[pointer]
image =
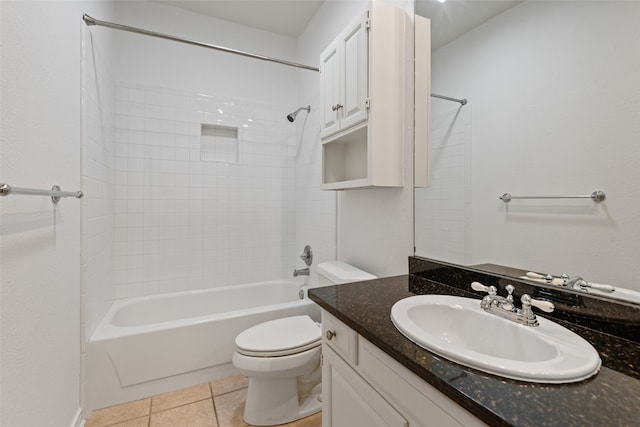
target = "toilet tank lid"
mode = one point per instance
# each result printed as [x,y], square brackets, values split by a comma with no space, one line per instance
[340,272]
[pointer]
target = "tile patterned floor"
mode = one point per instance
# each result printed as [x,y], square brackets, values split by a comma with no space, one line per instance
[216,404]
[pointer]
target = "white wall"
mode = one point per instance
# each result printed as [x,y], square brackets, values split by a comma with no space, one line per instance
[374,227]
[572,127]
[168,64]
[40,244]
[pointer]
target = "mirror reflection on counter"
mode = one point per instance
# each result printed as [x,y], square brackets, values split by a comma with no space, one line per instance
[553,90]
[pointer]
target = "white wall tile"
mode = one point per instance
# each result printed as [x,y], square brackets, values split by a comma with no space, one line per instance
[190,223]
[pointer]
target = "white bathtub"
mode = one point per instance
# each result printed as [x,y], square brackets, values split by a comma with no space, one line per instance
[150,345]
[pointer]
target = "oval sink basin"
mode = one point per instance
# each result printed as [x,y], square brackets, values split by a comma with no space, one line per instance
[459,330]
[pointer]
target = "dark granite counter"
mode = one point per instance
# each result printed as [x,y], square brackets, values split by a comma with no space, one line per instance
[610,398]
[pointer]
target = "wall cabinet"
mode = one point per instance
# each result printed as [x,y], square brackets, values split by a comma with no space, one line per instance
[362,74]
[363,386]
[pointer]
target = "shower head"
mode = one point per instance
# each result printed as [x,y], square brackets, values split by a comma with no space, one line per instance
[291,117]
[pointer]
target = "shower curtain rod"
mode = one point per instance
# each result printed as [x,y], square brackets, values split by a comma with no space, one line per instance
[92,21]
[461,101]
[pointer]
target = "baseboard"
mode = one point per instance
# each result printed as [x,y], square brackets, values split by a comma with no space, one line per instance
[78,421]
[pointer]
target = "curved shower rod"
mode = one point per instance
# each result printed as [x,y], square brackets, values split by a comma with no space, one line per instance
[92,21]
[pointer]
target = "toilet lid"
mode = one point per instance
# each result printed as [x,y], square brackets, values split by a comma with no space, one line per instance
[279,337]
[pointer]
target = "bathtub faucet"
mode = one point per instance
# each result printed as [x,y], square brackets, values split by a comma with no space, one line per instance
[301,272]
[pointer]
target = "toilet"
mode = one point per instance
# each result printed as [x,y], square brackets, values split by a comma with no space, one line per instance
[281,359]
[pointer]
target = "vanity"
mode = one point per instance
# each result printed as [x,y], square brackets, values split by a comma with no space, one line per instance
[374,376]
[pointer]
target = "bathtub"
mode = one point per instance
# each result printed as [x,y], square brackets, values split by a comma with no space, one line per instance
[150,345]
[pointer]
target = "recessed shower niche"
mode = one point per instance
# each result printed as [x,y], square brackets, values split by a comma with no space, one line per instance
[218,143]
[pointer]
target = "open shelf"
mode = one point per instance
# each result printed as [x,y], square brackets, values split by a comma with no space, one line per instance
[345,160]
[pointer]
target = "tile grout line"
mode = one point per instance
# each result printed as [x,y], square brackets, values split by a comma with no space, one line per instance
[148,415]
[127,420]
[213,402]
[150,411]
[180,406]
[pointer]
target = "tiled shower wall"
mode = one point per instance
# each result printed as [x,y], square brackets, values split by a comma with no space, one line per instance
[156,216]
[315,210]
[182,222]
[442,227]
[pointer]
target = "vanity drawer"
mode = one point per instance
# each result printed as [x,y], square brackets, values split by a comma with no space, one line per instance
[342,339]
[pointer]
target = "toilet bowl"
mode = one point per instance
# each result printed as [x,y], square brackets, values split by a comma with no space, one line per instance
[281,359]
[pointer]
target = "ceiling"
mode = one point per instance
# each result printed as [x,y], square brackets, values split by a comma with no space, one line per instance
[285,17]
[453,18]
[290,17]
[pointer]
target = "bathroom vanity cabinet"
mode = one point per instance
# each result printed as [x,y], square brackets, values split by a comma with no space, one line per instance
[364,386]
[362,102]
[371,370]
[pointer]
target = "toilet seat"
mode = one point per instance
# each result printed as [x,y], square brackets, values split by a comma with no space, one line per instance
[279,337]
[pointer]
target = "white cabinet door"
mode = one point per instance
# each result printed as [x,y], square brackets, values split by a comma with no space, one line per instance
[344,79]
[348,401]
[354,80]
[330,89]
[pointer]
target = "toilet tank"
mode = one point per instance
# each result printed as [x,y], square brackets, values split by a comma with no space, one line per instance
[338,272]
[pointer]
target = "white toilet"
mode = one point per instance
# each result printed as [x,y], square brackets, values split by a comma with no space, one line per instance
[281,358]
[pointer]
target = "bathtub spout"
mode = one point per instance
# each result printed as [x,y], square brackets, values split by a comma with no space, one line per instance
[301,272]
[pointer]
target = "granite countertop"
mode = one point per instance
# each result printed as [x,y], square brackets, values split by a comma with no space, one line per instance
[610,398]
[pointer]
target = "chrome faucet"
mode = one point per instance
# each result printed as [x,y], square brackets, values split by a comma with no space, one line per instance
[301,272]
[573,281]
[566,281]
[307,257]
[504,307]
[577,282]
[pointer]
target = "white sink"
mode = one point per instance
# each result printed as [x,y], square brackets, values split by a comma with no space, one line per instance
[459,330]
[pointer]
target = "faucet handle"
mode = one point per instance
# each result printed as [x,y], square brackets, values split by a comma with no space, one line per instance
[307,255]
[477,286]
[545,306]
[510,290]
[546,278]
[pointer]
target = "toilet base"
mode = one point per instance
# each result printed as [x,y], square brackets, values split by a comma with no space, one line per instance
[263,407]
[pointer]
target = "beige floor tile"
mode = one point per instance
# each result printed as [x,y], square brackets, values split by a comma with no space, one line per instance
[119,413]
[138,422]
[228,384]
[173,399]
[198,414]
[314,420]
[229,408]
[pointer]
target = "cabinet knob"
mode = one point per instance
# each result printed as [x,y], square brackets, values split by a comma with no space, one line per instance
[336,107]
[330,334]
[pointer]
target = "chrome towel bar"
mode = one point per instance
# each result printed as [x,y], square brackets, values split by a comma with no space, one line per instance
[55,192]
[596,196]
